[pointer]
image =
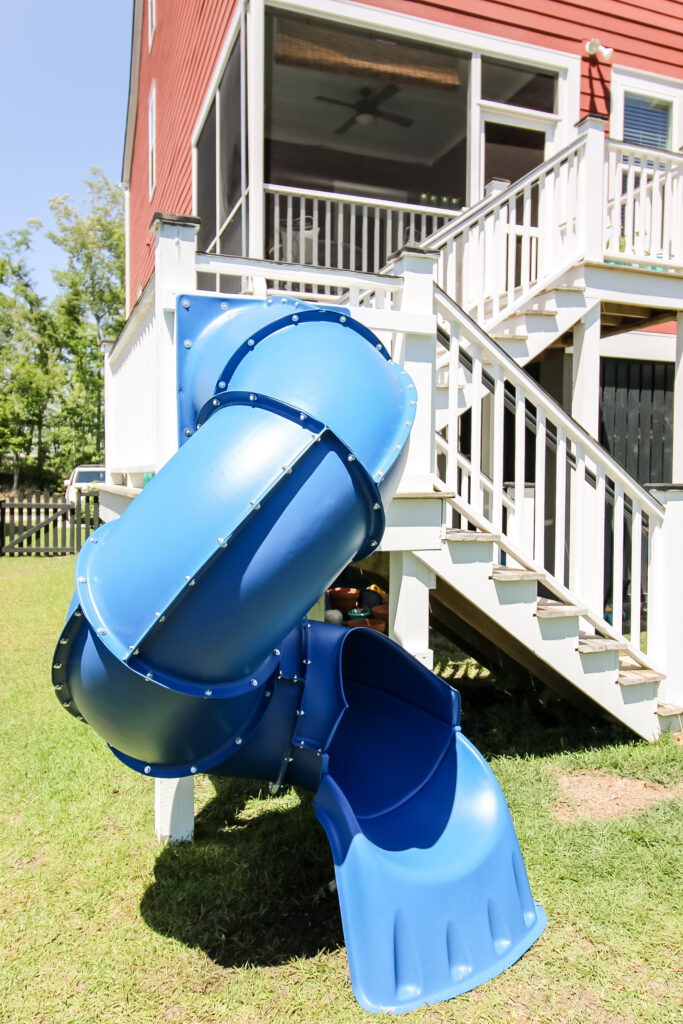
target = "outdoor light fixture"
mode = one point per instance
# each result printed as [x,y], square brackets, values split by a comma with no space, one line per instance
[595,48]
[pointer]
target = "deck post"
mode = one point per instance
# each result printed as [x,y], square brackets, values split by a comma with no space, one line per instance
[593,200]
[418,355]
[174,273]
[409,584]
[664,618]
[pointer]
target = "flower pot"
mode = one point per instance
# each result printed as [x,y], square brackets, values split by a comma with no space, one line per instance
[379,624]
[381,611]
[343,598]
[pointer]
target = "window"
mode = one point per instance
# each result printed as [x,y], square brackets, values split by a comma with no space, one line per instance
[151,140]
[517,86]
[151,21]
[219,166]
[647,121]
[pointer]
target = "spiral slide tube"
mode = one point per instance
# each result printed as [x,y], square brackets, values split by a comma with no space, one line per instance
[187,648]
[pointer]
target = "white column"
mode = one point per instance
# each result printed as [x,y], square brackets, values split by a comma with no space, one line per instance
[677,468]
[409,584]
[174,273]
[664,597]
[255,113]
[586,371]
[174,809]
[418,356]
[593,207]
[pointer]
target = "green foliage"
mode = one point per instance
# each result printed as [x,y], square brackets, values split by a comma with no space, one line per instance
[51,389]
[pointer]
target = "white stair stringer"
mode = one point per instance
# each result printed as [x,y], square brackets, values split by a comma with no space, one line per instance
[507,609]
[548,316]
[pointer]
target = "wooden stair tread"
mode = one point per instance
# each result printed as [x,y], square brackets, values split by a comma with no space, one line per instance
[472,536]
[548,609]
[634,675]
[665,710]
[510,574]
[594,644]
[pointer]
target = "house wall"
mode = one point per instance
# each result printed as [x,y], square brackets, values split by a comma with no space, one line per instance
[189,37]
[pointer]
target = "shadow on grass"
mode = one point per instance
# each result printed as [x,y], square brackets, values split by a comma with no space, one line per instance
[253,887]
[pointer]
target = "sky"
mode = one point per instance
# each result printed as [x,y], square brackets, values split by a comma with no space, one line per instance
[64,67]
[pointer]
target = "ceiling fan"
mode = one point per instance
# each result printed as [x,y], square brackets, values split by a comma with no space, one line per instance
[366,108]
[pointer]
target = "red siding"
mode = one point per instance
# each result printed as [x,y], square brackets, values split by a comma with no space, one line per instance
[189,36]
[188,39]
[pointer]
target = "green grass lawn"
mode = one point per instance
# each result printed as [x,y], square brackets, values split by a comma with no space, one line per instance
[98,923]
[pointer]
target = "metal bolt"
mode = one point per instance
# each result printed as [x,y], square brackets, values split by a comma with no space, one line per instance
[252,398]
[66,704]
[57,665]
[207,693]
[276,653]
[93,540]
[136,651]
[350,458]
[342,319]
[187,343]
[397,447]
[78,613]
[250,343]
[193,769]
[188,432]
[238,740]
[378,347]
[81,579]
[413,403]
[162,618]
[215,402]
[254,682]
[283,301]
[376,506]
[319,750]
[148,770]
[63,641]
[301,743]
[221,383]
[149,676]
[130,647]
[302,416]
[267,693]
[157,614]
[221,540]
[186,303]
[192,583]
[407,423]
[58,686]
[295,319]
[80,718]
[102,631]
[373,543]
[308,661]
[224,305]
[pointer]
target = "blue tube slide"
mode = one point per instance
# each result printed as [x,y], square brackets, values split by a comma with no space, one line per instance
[187,646]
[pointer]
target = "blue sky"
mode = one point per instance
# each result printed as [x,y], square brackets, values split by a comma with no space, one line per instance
[64,84]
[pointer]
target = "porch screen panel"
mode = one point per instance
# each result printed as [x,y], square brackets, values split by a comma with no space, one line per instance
[358,113]
[206,182]
[230,137]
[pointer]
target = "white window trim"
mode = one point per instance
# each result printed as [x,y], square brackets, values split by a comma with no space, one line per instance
[152,138]
[656,87]
[151,22]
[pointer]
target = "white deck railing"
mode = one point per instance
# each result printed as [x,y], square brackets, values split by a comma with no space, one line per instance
[333,230]
[643,205]
[530,473]
[511,243]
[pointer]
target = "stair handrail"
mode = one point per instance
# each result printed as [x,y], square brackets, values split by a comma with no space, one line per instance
[440,238]
[540,397]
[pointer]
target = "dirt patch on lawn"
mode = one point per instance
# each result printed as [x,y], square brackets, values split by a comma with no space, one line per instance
[596,795]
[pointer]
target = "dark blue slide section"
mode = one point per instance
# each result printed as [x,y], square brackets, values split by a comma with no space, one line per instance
[187,646]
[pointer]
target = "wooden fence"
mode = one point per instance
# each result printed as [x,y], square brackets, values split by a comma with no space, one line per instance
[46,524]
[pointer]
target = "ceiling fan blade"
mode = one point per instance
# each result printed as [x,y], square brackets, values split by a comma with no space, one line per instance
[405,122]
[338,103]
[345,127]
[385,94]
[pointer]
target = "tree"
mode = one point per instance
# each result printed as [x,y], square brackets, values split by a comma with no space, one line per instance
[30,373]
[91,306]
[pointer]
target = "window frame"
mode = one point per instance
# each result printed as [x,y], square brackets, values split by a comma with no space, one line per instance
[652,87]
[152,138]
[151,22]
